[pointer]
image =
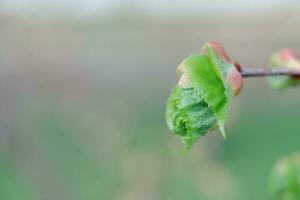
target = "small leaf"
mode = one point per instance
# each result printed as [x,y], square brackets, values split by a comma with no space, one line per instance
[225,69]
[209,84]
[285,179]
[200,101]
[188,115]
[284,58]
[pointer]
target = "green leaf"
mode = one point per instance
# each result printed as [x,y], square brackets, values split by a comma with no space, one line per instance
[188,115]
[195,108]
[209,83]
[285,179]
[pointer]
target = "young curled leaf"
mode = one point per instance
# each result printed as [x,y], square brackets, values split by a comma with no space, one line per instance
[188,115]
[284,58]
[285,179]
[200,101]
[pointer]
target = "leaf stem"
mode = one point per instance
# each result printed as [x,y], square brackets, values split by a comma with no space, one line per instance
[278,71]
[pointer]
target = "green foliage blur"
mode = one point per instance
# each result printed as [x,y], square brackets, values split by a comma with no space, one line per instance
[285,178]
[82,108]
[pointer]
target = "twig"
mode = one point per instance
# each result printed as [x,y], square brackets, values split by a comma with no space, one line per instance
[278,71]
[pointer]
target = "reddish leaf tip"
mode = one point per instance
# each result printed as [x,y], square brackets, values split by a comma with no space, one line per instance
[235,80]
[219,49]
[287,54]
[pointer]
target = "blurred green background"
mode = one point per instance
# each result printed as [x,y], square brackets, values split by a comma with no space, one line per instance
[83,88]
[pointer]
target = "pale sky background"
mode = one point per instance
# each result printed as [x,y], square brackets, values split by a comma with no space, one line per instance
[107,7]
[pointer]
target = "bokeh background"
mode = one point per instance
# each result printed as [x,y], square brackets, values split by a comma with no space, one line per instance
[83,88]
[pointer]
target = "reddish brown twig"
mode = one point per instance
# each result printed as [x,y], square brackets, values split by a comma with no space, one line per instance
[278,71]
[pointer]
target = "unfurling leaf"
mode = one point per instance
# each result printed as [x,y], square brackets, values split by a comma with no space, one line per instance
[200,101]
[284,58]
[285,179]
